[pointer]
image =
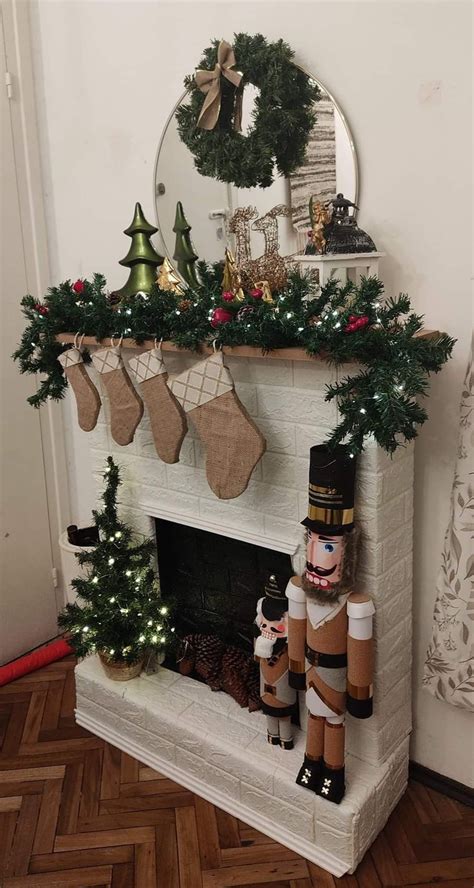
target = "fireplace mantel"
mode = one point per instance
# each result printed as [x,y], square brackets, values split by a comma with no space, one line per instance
[238,351]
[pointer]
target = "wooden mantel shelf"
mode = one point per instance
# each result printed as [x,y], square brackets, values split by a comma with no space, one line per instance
[238,351]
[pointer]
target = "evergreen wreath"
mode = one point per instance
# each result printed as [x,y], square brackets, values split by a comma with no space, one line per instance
[282,119]
[344,323]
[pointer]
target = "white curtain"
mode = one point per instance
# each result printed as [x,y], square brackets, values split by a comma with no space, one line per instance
[449,664]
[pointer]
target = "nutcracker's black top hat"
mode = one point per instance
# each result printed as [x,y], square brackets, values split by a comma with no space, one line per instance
[275,587]
[331,490]
[275,602]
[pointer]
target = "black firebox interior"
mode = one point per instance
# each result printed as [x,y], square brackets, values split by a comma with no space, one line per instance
[215,581]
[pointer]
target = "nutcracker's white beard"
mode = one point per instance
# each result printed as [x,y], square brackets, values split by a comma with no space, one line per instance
[264,646]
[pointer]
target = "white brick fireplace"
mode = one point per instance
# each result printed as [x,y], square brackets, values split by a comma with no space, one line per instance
[203,739]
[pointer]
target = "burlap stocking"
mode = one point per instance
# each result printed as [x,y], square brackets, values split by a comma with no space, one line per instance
[167,417]
[126,408]
[87,397]
[232,441]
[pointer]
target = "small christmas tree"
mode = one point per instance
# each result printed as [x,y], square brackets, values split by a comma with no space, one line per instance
[121,615]
[168,279]
[184,250]
[142,258]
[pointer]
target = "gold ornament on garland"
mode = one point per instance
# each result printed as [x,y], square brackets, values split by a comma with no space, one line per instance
[231,280]
[267,293]
[168,279]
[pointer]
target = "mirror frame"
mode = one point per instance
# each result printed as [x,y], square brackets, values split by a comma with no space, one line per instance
[173,112]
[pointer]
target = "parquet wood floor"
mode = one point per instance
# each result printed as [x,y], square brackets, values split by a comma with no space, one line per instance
[76,812]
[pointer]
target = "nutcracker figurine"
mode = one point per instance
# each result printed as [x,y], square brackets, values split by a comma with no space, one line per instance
[330,627]
[271,649]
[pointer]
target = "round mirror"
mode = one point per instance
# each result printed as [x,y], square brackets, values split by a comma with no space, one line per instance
[330,167]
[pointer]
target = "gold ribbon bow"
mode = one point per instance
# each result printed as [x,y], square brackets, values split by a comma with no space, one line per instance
[267,293]
[209,82]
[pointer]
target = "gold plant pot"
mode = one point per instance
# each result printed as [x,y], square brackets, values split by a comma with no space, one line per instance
[120,671]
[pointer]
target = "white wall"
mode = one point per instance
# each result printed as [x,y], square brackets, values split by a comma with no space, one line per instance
[108,74]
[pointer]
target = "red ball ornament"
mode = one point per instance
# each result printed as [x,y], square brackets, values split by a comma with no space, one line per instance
[256,293]
[78,286]
[220,316]
[41,309]
[228,296]
[356,323]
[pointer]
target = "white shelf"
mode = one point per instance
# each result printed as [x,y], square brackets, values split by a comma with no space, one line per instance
[335,258]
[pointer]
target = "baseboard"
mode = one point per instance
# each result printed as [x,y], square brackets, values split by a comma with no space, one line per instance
[448,787]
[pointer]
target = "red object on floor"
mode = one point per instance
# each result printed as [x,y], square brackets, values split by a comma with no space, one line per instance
[31,662]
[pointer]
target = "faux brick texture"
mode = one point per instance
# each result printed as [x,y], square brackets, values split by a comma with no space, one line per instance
[204,736]
[286,400]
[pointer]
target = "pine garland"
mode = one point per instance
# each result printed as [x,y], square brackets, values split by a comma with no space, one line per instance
[120,612]
[380,399]
[282,120]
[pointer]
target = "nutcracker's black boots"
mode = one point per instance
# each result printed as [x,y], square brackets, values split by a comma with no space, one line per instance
[331,784]
[309,775]
[273,739]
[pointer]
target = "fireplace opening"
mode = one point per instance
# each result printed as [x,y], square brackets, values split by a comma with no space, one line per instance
[215,581]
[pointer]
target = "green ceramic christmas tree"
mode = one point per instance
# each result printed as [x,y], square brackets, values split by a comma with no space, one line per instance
[142,258]
[184,253]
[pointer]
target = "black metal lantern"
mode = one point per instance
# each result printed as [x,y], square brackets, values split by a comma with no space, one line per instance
[342,234]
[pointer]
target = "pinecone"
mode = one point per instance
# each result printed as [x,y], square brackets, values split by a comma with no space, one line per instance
[233,675]
[113,298]
[223,668]
[205,654]
[236,676]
